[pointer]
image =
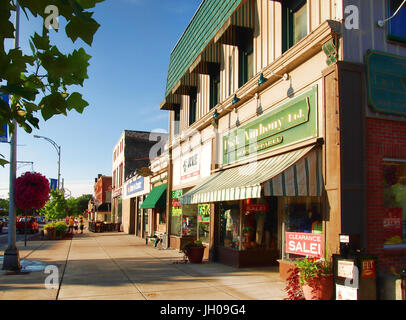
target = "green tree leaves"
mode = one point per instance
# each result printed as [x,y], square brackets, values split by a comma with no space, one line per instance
[41,81]
[56,206]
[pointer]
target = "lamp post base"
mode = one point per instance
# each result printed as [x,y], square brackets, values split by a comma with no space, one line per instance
[11,259]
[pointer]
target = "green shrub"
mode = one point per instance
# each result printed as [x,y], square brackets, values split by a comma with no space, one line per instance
[60,228]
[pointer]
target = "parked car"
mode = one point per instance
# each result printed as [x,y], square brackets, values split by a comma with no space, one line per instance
[31,226]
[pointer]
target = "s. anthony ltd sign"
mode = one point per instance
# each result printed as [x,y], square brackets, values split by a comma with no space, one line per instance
[190,166]
[289,123]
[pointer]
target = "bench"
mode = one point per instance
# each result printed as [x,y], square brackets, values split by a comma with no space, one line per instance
[157,238]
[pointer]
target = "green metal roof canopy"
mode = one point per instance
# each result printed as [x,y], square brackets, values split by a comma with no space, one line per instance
[156,198]
[207,21]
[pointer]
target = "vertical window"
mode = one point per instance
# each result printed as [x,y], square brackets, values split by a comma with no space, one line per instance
[394,198]
[192,106]
[245,60]
[397,25]
[176,126]
[294,22]
[214,88]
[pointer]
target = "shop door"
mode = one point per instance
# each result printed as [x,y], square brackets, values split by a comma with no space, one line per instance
[139,217]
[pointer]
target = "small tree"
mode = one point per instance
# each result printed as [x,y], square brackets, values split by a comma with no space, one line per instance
[56,206]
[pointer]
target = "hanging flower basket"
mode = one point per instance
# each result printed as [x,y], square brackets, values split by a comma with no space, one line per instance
[31,191]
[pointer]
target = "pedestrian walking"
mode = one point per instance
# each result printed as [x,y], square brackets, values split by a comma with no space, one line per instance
[76,225]
[71,224]
[81,224]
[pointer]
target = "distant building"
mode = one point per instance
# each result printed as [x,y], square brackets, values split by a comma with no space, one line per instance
[102,198]
[131,156]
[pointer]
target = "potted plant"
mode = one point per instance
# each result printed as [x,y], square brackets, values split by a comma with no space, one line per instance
[315,278]
[194,251]
[50,231]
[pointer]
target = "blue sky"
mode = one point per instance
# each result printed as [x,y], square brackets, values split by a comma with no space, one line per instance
[127,79]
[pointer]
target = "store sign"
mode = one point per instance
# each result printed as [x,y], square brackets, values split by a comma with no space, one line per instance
[284,125]
[386,82]
[304,244]
[204,213]
[346,293]
[190,166]
[392,226]
[257,207]
[368,269]
[135,186]
[345,269]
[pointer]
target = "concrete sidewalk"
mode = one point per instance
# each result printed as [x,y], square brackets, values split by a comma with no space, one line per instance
[116,266]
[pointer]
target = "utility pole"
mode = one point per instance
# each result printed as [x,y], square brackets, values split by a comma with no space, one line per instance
[11,254]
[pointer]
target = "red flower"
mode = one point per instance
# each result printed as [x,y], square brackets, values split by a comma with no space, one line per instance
[31,191]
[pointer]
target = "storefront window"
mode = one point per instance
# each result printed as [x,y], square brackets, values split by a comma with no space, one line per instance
[176,214]
[394,222]
[203,230]
[189,220]
[230,236]
[303,215]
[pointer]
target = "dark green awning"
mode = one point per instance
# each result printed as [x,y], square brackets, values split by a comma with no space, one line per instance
[156,198]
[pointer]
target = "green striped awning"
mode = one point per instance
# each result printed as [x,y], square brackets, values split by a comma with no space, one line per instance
[296,173]
[156,198]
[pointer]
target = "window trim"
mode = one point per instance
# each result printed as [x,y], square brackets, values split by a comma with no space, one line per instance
[192,106]
[288,9]
[245,50]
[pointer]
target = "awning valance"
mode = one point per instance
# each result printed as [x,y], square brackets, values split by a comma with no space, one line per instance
[293,173]
[156,198]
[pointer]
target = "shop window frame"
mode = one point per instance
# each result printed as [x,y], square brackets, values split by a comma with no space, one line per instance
[391,246]
[192,106]
[245,59]
[289,8]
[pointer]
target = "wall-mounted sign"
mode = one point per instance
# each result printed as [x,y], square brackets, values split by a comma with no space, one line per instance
[117,192]
[386,82]
[190,166]
[368,269]
[292,122]
[304,244]
[135,186]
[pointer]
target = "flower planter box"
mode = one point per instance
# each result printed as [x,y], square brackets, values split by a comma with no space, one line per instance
[319,289]
[50,234]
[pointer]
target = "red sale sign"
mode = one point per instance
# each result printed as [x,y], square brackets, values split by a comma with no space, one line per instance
[304,244]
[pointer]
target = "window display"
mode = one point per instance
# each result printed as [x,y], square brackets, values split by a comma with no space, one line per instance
[302,215]
[203,230]
[394,222]
[189,220]
[230,225]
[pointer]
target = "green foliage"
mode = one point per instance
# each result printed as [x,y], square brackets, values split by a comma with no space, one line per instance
[56,206]
[60,228]
[4,206]
[311,268]
[191,244]
[40,82]
[78,205]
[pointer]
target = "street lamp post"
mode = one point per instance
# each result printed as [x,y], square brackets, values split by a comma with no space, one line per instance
[11,254]
[58,150]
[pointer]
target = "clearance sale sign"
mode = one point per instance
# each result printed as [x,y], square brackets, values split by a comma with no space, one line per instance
[304,244]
